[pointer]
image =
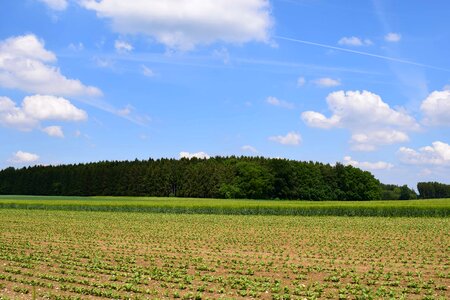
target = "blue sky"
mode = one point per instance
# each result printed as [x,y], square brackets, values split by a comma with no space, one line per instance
[365,83]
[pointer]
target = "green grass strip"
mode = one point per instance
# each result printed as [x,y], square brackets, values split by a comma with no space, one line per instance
[416,208]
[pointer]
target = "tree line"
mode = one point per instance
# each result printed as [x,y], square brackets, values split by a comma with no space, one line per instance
[218,177]
[396,192]
[429,190]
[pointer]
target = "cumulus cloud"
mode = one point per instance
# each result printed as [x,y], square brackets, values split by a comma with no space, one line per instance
[21,157]
[26,65]
[41,107]
[436,108]
[55,131]
[437,154]
[326,82]
[292,138]
[183,24]
[277,102]
[37,108]
[122,46]
[354,41]
[367,141]
[392,37]
[315,119]
[371,120]
[248,148]
[201,155]
[379,165]
[13,116]
[26,46]
[55,4]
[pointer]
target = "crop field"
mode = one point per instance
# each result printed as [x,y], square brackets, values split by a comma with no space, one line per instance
[411,208]
[51,254]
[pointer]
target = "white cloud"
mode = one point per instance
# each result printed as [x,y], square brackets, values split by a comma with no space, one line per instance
[42,107]
[201,155]
[301,81]
[21,157]
[13,116]
[436,108]
[122,46]
[277,102]
[55,4]
[368,42]
[183,24]
[248,148]
[37,108]
[25,46]
[379,165]
[315,119]
[368,141]
[55,131]
[392,37]
[292,138]
[327,82]
[356,108]
[437,154]
[371,120]
[350,41]
[146,71]
[354,41]
[25,65]
[125,111]
[446,87]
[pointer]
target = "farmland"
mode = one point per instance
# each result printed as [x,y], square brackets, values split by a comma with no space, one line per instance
[411,208]
[82,254]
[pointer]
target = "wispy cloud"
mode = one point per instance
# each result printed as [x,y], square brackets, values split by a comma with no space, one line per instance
[146,71]
[393,37]
[413,81]
[280,103]
[301,81]
[199,61]
[394,59]
[354,41]
[248,148]
[327,82]
[59,5]
[122,46]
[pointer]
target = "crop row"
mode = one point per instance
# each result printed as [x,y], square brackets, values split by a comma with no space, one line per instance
[81,255]
[424,208]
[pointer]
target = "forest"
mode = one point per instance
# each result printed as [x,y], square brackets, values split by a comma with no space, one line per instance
[431,190]
[217,177]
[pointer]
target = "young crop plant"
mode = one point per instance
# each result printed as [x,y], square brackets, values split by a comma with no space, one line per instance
[131,255]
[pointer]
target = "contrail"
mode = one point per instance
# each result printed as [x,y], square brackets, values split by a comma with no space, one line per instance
[362,53]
